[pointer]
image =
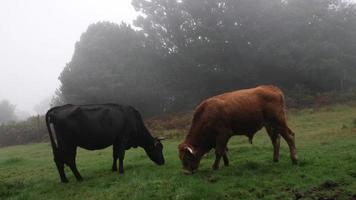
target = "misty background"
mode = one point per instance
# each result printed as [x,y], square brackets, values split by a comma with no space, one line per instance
[167,55]
[37,40]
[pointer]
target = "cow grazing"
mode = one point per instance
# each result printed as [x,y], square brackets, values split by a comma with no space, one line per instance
[241,112]
[95,127]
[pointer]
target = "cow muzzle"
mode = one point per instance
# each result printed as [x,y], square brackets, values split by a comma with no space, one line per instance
[160,163]
[188,172]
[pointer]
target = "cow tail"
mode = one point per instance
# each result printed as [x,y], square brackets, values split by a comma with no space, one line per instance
[284,103]
[53,143]
[284,107]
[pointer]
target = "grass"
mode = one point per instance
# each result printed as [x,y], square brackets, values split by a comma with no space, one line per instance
[326,142]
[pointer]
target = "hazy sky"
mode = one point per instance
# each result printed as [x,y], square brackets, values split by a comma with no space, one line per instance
[37,39]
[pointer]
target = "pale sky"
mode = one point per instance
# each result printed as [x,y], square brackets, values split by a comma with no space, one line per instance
[37,39]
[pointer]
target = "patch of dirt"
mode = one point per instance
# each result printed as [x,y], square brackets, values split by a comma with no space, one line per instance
[328,190]
[329,184]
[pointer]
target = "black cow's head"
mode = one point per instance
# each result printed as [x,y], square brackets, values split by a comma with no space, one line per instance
[154,151]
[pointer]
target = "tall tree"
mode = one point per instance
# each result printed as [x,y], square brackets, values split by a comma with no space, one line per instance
[238,43]
[113,63]
[183,51]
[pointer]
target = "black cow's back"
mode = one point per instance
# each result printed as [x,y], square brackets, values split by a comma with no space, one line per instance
[92,126]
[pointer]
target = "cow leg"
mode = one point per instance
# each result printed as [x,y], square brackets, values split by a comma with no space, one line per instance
[217,160]
[121,160]
[220,150]
[289,137]
[226,159]
[279,126]
[275,138]
[75,171]
[115,156]
[72,152]
[60,167]
[59,160]
[218,154]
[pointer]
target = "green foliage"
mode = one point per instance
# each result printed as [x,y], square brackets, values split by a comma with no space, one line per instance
[113,63]
[29,131]
[184,51]
[326,169]
[301,97]
[241,43]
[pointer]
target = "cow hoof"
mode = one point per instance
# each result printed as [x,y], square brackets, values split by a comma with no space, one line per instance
[64,180]
[188,172]
[215,167]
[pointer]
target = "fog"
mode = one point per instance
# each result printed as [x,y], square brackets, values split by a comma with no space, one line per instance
[178,53]
[37,39]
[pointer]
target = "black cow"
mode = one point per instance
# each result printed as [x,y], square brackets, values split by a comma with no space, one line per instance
[96,127]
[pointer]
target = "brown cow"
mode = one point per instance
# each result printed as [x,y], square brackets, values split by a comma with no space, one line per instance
[241,112]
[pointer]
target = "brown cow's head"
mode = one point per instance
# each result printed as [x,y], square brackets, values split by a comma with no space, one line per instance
[190,158]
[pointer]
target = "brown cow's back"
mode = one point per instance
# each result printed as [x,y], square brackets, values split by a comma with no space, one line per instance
[244,112]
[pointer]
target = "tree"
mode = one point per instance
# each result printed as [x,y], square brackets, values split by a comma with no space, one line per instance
[184,51]
[113,63]
[231,44]
[7,112]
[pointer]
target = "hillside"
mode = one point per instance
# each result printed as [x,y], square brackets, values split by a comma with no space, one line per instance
[326,144]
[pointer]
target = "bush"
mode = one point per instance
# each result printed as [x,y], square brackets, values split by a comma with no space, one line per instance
[29,131]
[301,97]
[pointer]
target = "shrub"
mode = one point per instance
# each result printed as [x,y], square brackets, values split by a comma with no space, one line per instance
[29,131]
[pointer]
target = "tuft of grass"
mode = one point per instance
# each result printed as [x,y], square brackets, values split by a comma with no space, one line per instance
[326,169]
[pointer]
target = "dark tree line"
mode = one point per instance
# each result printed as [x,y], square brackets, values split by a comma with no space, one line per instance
[183,51]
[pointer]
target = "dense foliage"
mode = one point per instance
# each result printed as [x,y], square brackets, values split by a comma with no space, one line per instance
[31,130]
[183,51]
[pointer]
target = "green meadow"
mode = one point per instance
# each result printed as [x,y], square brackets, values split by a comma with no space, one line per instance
[326,146]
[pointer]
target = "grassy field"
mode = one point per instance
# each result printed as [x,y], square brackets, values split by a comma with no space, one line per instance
[326,144]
